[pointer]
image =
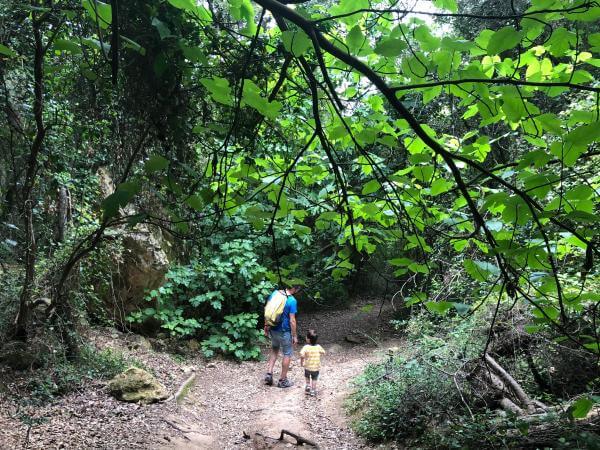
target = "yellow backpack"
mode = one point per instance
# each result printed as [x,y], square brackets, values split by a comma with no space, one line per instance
[274,308]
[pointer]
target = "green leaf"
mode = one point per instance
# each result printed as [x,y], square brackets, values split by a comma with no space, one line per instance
[551,123]
[516,211]
[4,50]
[401,261]
[219,89]
[443,59]
[301,230]
[426,39]
[390,47]
[431,93]
[581,408]
[446,4]
[162,28]
[439,308]
[439,186]
[594,346]
[349,6]
[296,42]
[512,104]
[96,44]
[118,199]
[131,44]
[251,96]
[539,185]
[423,173]
[156,163]
[370,187]
[194,54]
[67,46]
[581,192]
[568,153]
[355,39]
[187,5]
[503,39]
[560,41]
[243,9]
[196,202]
[101,13]
[480,270]
[584,135]
[594,41]
[461,308]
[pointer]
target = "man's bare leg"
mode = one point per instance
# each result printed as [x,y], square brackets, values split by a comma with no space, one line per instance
[285,365]
[272,360]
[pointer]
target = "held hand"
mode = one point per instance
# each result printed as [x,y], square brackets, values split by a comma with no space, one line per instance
[295,340]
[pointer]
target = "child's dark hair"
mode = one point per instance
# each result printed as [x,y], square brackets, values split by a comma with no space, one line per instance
[312,337]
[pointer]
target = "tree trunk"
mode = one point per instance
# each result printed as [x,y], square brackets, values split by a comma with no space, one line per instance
[63,213]
[22,319]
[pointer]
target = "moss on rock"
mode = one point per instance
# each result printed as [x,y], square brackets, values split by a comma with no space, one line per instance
[137,385]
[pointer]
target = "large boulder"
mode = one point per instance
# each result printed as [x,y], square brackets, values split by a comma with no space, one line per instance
[137,385]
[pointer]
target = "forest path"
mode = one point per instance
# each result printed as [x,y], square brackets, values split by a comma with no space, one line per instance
[227,399]
[230,399]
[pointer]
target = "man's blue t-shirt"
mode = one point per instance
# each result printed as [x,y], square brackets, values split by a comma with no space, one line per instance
[291,307]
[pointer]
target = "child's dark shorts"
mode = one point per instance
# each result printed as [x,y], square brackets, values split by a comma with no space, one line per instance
[312,374]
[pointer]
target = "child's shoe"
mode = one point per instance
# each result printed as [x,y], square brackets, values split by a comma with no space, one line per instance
[307,389]
[313,393]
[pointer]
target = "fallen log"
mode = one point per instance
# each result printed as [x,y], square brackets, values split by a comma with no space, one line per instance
[509,381]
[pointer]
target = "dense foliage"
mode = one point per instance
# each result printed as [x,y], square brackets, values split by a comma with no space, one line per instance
[209,298]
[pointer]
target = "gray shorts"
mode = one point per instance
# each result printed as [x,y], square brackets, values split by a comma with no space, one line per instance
[283,340]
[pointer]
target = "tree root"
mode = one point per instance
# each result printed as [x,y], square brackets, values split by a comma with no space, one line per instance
[299,439]
[183,390]
[261,437]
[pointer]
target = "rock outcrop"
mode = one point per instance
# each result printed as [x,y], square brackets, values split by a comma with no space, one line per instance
[140,266]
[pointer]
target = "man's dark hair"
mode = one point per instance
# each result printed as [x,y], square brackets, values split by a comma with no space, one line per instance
[312,337]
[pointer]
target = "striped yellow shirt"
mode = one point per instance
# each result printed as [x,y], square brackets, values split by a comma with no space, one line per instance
[312,356]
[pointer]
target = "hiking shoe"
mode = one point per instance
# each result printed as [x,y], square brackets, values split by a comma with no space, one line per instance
[269,379]
[313,393]
[284,383]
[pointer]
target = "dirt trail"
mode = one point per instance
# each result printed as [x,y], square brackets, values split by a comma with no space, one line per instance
[226,400]
[230,399]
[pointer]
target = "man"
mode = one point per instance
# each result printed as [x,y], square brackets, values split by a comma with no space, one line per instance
[283,336]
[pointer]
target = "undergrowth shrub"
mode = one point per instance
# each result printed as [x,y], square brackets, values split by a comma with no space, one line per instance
[217,298]
[407,394]
[419,397]
[60,376]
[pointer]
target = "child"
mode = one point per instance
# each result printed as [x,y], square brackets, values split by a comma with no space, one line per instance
[310,358]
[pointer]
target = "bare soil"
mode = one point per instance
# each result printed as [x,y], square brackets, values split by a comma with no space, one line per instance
[227,402]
